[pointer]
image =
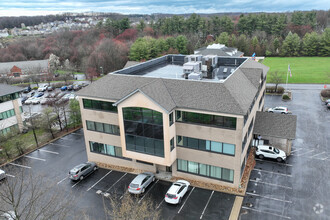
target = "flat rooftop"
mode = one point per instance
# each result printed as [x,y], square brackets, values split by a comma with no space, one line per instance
[171,67]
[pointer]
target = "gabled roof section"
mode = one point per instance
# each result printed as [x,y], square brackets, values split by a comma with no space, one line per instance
[241,89]
[157,91]
[253,74]
[249,63]
[15,69]
[8,89]
[275,125]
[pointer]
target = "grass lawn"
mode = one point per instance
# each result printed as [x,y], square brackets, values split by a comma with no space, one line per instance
[64,72]
[304,69]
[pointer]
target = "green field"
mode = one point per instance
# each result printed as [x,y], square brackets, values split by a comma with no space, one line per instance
[304,69]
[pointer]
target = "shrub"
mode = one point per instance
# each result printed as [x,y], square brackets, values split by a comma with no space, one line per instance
[325,93]
[35,88]
[285,96]
[271,89]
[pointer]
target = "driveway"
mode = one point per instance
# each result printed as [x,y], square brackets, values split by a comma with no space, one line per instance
[298,189]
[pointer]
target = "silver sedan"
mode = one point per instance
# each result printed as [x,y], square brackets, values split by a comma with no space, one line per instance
[82,170]
[141,182]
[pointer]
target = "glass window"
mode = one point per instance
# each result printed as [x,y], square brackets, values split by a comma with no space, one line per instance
[172,144]
[87,103]
[193,143]
[159,148]
[118,152]
[139,144]
[192,167]
[202,144]
[99,126]
[216,146]
[158,118]
[171,118]
[130,142]
[147,115]
[90,125]
[179,140]
[178,116]
[228,174]
[229,149]
[110,150]
[215,172]
[182,165]
[204,169]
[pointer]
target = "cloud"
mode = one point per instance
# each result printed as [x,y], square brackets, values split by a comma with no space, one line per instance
[42,7]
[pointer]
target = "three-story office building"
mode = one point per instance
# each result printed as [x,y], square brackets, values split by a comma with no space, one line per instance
[10,109]
[189,115]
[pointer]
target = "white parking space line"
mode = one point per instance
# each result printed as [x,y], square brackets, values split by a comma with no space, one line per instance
[271,184]
[36,158]
[296,150]
[116,182]
[61,145]
[278,163]
[160,204]
[318,154]
[99,180]
[76,183]
[265,171]
[325,158]
[304,153]
[269,213]
[62,180]
[48,151]
[10,175]
[122,196]
[186,200]
[19,165]
[206,205]
[267,197]
[147,192]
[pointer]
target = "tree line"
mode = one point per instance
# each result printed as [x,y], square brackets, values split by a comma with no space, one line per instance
[107,47]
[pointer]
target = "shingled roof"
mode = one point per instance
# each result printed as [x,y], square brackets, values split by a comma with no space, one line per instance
[275,125]
[233,96]
[8,89]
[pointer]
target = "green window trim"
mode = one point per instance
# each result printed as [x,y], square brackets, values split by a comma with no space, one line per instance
[102,127]
[206,145]
[206,119]
[205,170]
[106,149]
[99,105]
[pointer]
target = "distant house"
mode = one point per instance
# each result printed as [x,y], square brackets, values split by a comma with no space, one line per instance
[15,72]
[219,50]
[24,68]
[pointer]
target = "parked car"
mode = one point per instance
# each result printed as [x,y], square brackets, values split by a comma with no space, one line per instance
[29,101]
[82,170]
[50,88]
[282,110]
[84,84]
[39,94]
[10,215]
[141,182]
[24,98]
[64,88]
[36,100]
[2,174]
[42,88]
[70,87]
[76,87]
[270,152]
[32,93]
[327,101]
[27,89]
[328,105]
[176,192]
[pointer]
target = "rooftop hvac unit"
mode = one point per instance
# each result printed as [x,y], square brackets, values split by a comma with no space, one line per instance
[195,76]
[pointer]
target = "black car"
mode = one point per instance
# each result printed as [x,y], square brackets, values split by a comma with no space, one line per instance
[70,87]
[24,98]
[27,89]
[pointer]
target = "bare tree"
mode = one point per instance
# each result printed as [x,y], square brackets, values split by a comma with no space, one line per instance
[277,78]
[126,208]
[28,196]
[47,120]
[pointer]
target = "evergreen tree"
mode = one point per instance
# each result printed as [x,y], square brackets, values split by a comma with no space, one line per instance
[310,44]
[291,45]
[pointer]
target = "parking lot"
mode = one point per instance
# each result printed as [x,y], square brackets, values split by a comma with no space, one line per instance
[56,159]
[297,189]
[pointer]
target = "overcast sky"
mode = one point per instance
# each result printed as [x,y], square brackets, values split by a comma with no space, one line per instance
[43,7]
